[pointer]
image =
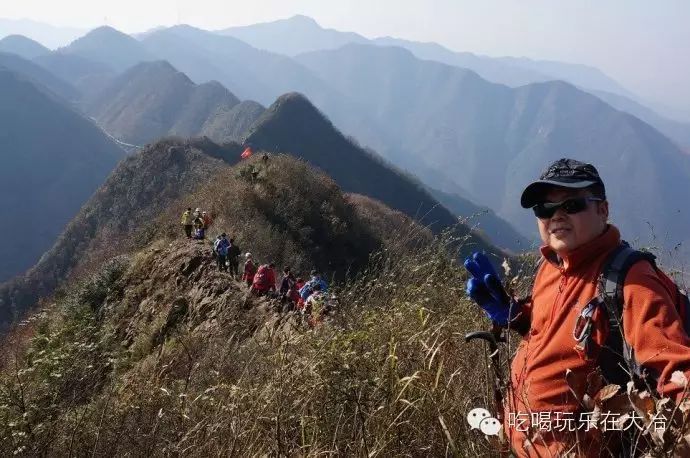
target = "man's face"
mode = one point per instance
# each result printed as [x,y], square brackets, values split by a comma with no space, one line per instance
[563,232]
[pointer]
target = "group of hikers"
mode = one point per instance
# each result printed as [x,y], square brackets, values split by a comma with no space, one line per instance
[196,223]
[309,298]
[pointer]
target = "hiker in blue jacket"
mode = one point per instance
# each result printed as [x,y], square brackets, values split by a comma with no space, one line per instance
[308,288]
[221,246]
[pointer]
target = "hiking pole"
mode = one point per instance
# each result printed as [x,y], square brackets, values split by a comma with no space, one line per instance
[492,337]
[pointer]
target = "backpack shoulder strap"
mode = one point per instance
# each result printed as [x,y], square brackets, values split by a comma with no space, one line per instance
[616,268]
[616,358]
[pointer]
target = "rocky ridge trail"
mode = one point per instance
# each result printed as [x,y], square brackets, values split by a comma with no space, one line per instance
[174,288]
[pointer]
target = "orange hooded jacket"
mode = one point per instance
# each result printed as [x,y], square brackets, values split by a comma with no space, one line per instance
[562,288]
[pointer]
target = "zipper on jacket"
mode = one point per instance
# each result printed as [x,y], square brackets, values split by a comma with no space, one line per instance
[557,301]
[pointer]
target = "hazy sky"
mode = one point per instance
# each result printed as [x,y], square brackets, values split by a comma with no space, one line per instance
[643,44]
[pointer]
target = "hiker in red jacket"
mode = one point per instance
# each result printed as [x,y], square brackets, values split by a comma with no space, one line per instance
[207,219]
[249,270]
[264,280]
[299,303]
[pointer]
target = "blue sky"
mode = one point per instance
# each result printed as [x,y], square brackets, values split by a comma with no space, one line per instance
[645,45]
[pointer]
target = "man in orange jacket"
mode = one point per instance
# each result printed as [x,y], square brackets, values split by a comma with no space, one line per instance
[550,371]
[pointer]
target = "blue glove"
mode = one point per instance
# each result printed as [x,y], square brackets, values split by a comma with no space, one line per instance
[486,290]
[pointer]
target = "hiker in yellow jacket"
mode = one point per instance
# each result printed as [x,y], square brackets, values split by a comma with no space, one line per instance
[187,222]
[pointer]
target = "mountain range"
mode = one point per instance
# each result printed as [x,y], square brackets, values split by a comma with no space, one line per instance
[85,75]
[109,47]
[210,57]
[452,116]
[53,159]
[153,100]
[293,125]
[49,35]
[39,76]
[491,140]
[301,34]
[123,214]
[444,133]
[141,93]
[22,46]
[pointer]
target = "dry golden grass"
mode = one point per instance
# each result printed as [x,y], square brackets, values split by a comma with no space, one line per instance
[388,375]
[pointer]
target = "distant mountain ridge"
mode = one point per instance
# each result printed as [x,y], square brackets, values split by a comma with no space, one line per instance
[301,34]
[292,36]
[485,221]
[39,75]
[232,125]
[204,54]
[583,76]
[373,114]
[110,47]
[53,159]
[294,125]
[153,100]
[246,71]
[46,34]
[677,131]
[86,76]
[492,140]
[22,46]
[417,126]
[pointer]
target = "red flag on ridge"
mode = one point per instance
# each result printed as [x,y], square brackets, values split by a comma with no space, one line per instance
[246,153]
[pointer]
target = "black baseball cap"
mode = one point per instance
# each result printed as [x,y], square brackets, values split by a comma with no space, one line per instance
[564,173]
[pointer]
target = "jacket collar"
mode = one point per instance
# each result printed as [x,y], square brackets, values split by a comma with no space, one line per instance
[585,254]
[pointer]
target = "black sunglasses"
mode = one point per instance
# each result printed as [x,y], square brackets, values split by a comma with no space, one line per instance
[571,206]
